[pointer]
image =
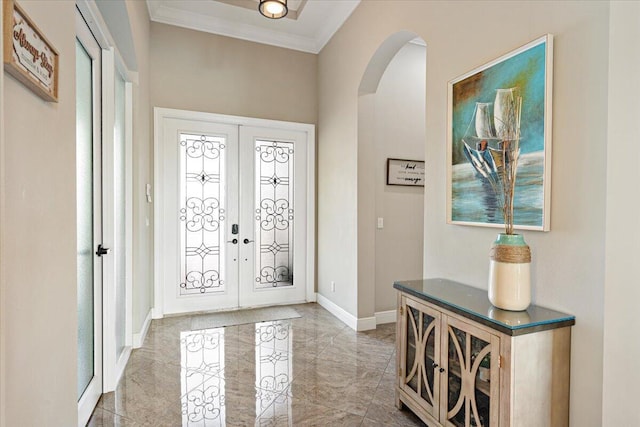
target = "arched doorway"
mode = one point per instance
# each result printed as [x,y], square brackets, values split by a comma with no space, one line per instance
[391,124]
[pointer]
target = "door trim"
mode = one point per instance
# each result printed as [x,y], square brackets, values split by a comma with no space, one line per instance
[89,398]
[159,115]
[112,63]
[114,365]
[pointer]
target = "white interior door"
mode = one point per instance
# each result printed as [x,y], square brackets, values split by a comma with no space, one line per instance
[232,218]
[200,209]
[273,177]
[89,219]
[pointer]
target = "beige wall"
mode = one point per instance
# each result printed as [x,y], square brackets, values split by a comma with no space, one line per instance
[568,266]
[399,125]
[142,169]
[192,70]
[622,293]
[38,265]
[2,281]
[38,228]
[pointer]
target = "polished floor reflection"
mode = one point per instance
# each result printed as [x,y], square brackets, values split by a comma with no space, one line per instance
[308,371]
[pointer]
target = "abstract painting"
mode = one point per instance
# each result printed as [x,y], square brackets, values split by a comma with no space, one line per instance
[476,147]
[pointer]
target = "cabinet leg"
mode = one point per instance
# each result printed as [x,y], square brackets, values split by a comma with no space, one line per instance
[399,403]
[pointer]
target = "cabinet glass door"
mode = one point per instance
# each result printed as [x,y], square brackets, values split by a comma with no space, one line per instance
[419,365]
[471,387]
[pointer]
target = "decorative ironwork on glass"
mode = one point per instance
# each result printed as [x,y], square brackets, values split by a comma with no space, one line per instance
[201,380]
[274,214]
[274,371]
[202,213]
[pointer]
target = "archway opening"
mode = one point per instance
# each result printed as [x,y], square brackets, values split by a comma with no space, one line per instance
[391,125]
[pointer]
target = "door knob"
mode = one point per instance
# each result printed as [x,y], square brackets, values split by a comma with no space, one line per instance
[246,241]
[102,250]
[234,241]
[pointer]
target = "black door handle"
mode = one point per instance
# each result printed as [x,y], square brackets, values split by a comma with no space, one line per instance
[102,250]
[234,241]
[246,241]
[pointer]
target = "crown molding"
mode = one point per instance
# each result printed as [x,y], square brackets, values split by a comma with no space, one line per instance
[186,19]
[334,22]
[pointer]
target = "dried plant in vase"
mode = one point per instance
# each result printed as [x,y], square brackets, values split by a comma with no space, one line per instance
[507,113]
[496,135]
[510,260]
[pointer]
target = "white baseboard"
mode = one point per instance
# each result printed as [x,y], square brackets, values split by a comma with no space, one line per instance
[383,317]
[363,324]
[121,365]
[366,324]
[346,317]
[138,339]
[156,314]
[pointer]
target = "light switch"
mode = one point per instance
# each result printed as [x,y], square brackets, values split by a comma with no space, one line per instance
[380,223]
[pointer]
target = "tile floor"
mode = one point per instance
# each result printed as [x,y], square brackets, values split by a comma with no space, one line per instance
[308,371]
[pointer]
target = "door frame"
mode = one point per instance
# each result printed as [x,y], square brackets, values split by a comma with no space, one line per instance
[113,62]
[90,396]
[159,115]
[113,365]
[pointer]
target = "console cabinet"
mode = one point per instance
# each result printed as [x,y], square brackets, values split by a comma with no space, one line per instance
[462,362]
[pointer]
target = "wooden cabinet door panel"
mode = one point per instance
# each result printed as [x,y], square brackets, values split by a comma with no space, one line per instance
[469,384]
[420,355]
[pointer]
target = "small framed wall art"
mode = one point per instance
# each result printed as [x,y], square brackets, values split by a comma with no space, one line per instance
[405,172]
[27,54]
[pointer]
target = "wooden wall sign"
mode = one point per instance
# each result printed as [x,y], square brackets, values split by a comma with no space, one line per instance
[27,54]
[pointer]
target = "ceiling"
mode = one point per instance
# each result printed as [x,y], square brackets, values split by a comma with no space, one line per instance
[309,25]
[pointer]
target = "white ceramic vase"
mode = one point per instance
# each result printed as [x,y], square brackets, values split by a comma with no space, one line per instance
[510,273]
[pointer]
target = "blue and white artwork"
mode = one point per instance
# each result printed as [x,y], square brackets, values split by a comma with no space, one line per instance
[474,146]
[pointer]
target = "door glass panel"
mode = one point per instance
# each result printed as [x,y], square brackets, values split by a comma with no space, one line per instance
[481,356]
[120,218]
[273,214]
[468,406]
[411,364]
[202,213]
[457,362]
[84,194]
[428,345]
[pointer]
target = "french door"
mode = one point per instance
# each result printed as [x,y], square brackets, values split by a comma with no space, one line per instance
[233,222]
[89,219]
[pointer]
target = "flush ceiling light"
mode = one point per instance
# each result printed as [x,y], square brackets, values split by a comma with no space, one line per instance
[273,9]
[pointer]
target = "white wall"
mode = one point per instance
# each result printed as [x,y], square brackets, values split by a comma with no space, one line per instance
[568,266]
[622,293]
[399,132]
